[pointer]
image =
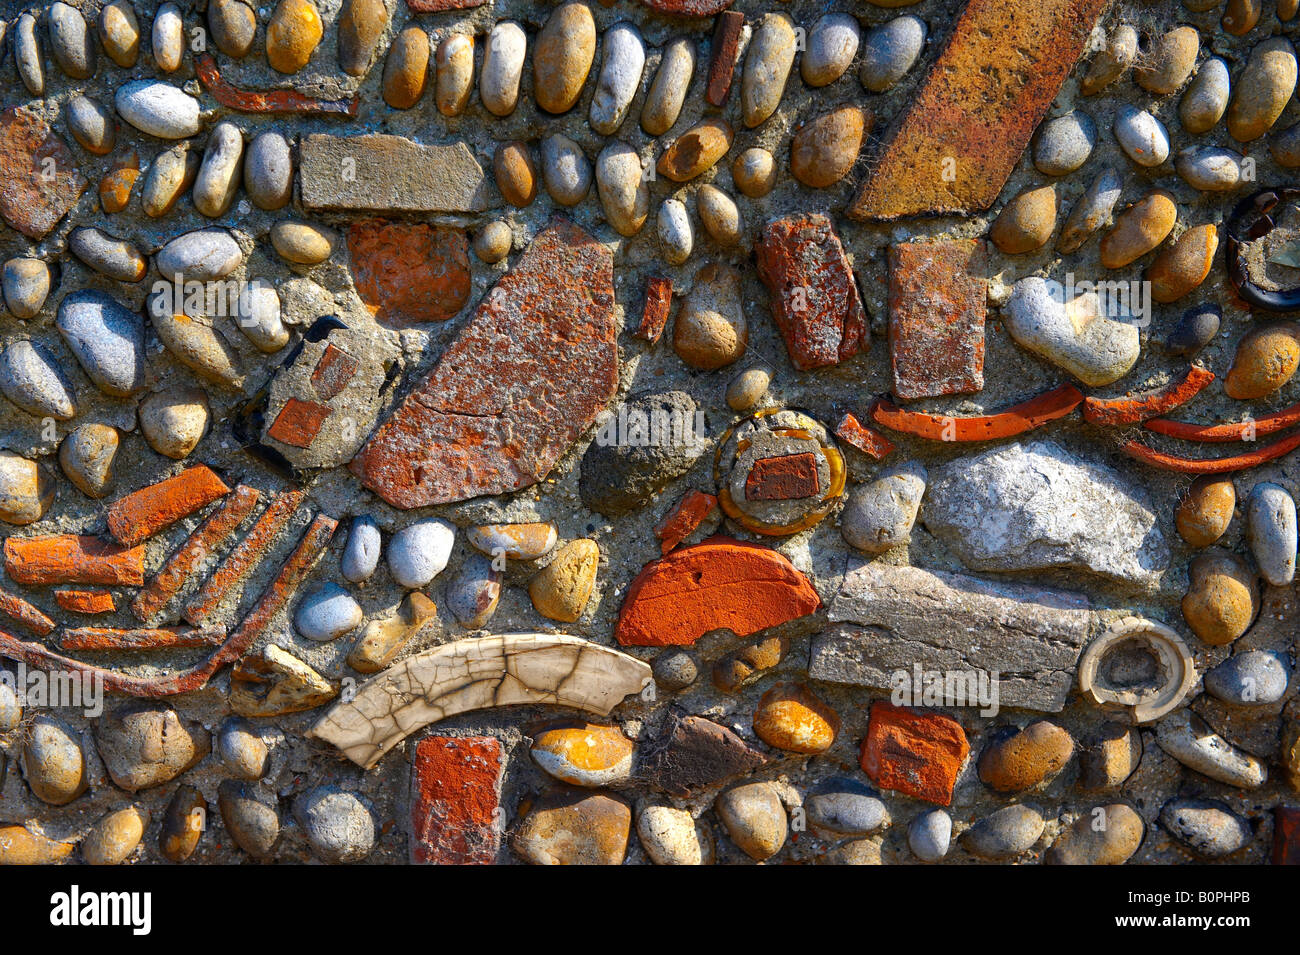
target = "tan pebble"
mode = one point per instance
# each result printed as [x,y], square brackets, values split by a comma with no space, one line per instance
[292,35]
[86,457]
[26,490]
[233,25]
[561,590]
[1266,359]
[748,388]
[584,754]
[383,639]
[1026,222]
[168,38]
[1111,61]
[1222,598]
[516,174]
[1139,229]
[183,824]
[53,762]
[493,242]
[513,541]
[1024,758]
[1184,265]
[455,69]
[719,214]
[172,173]
[302,243]
[1206,510]
[754,172]
[360,28]
[767,67]
[574,828]
[1169,62]
[114,837]
[1240,16]
[1106,838]
[793,718]
[174,421]
[1262,91]
[115,189]
[194,343]
[119,32]
[824,150]
[663,103]
[622,187]
[220,172]
[21,846]
[1110,757]
[710,330]
[755,818]
[696,150]
[406,70]
[672,836]
[562,57]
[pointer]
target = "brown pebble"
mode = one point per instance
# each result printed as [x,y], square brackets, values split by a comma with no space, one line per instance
[292,35]
[1139,229]
[1024,758]
[793,718]
[1266,359]
[1166,66]
[516,173]
[696,150]
[824,150]
[1222,598]
[406,70]
[1184,265]
[1026,222]
[1206,510]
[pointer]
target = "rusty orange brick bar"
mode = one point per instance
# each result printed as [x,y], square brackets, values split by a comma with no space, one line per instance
[206,538]
[145,512]
[20,611]
[952,150]
[72,559]
[244,557]
[163,638]
[86,601]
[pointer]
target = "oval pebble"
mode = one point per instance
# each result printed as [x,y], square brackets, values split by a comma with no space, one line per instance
[792,718]
[671,836]
[167,39]
[1112,60]
[192,341]
[565,170]
[220,171]
[1184,264]
[847,807]
[406,69]
[621,185]
[1206,99]
[1004,834]
[251,816]
[241,748]
[696,150]
[455,73]
[474,592]
[119,32]
[755,818]
[1139,229]
[825,149]
[233,26]
[754,172]
[1271,532]
[1251,678]
[1026,222]
[1143,138]
[584,754]
[1064,143]
[91,125]
[26,285]
[419,552]
[1090,212]
[183,824]
[516,175]
[1240,16]
[748,388]
[106,338]
[338,824]
[257,314]
[71,42]
[361,26]
[675,670]
[574,828]
[27,54]
[158,109]
[302,243]
[513,541]
[1194,329]
[268,171]
[107,254]
[560,591]
[719,215]
[829,50]
[889,51]
[1108,835]
[292,35]
[33,379]
[493,242]
[1076,335]
[1206,826]
[86,456]
[174,420]
[204,255]
[667,93]
[327,613]
[171,173]
[710,330]
[1267,357]
[1262,91]
[676,238]
[11,711]
[26,490]
[622,61]
[1222,598]
[767,67]
[114,837]
[1209,168]
[1019,759]
[880,514]
[53,762]
[1206,510]
[361,555]
[503,66]
[562,56]
[1285,147]
[1169,61]
[929,835]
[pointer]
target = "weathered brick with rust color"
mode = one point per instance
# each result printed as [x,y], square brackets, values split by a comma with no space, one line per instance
[953,148]
[182,565]
[20,611]
[722,56]
[246,555]
[521,382]
[299,422]
[654,314]
[140,515]
[387,174]
[163,638]
[812,291]
[914,752]
[788,477]
[686,515]
[937,300]
[72,559]
[688,8]
[86,601]
[333,372]
[409,272]
[438,6]
[39,178]
[867,440]
[455,786]
[1286,836]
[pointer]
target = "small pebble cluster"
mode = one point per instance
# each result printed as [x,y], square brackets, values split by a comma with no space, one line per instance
[649,431]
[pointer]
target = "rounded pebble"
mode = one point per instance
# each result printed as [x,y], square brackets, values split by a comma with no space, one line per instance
[575,828]
[1026,222]
[292,35]
[503,66]
[26,284]
[53,762]
[562,56]
[107,254]
[1112,60]
[889,51]
[257,314]
[1205,826]
[767,67]
[565,170]
[200,256]
[622,62]
[830,48]
[91,125]
[1222,598]
[880,515]
[1139,229]
[515,173]
[1004,834]
[145,744]
[338,824]
[107,340]
[455,69]
[846,807]
[929,835]
[584,754]
[220,171]
[1090,212]
[168,38]
[242,749]
[1169,61]
[1194,329]
[696,150]
[1209,168]
[406,69]
[561,589]
[825,149]
[233,26]
[71,41]
[327,613]
[1263,89]
[32,378]
[671,836]
[1182,266]
[1064,144]
[26,489]
[302,243]
[719,215]
[675,670]
[250,815]
[158,109]
[119,32]
[791,717]
[710,330]
[86,456]
[1251,678]
[114,837]
[361,555]
[621,184]
[1019,759]
[174,421]
[1271,532]
[1143,138]
[754,172]
[493,242]
[676,238]
[171,173]
[419,552]
[1206,510]
[1206,99]
[513,541]
[183,824]
[667,93]
[748,388]
[755,818]
[1108,835]
[1267,356]
[27,54]
[361,26]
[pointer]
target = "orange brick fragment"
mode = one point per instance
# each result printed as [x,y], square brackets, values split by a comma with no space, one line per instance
[20,611]
[719,584]
[206,538]
[1017,419]
[913,752]
[787,477]
[409,272]
[725,50]
[333,372]
[1235,431]
[72,559]
[658,303]
[867,440]
[1132,410]
[455,783]
[299,422]
[687,515]
[145,512]
[1240,462]
[164,638]
[86,601]
[1286,836]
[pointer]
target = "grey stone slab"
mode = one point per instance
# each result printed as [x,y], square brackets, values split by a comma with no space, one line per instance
[385,174]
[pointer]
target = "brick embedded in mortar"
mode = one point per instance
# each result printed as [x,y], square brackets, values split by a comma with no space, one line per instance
[722,57]
[658,303]
[686,515]
[86,601]
[914,752]
[163,638]
[455,786]
[72,559]
[141,514]
[20,611]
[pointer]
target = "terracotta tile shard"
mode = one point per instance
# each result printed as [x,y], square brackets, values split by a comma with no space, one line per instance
[1017,419]
[681,521]
[691,752]
[188,558]
[299,422]
[937,302]
[952,150]
[438,6]
[409,272]
[246,555]
[282,102]
[499,670]
[913,752]
[86,601]
[523,380]
[20,611]
[145,512]
[72,559]
[813,294]
[723,55]
[387,174]
[867,440]
[789,477]
[1222,433]
[719,584]
[1172,462]
[165,638]
[333,372]
[658,303]
[39,178]
[689,8]
[1286,836]
[1140,407]
[455,786]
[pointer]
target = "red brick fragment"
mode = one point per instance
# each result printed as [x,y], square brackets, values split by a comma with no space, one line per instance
[72,559]
[438,6]
[247,555]
[689,8]
[20,611]
[282,102]
[719,584]
[954,147]
[86,601]
[1148,404]
[813,294]
[299,422]
[455,785]
[1017,419]
[1248,430]
[409,272]
[520,383]
[914,752]
[1286,836]
[1240,462]
[39,178]
[681,521]
[867,440]
[788,477]
[333,372]
[164,638]
[145,512]
[658,303]
[207,537]
[723,55]
[937,301]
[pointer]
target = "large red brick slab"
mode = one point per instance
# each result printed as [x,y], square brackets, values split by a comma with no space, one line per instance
[813,294]
[952,150]
[454,809]
[526,376]
[937,303]
[912,752]
[409,272]
[39,178]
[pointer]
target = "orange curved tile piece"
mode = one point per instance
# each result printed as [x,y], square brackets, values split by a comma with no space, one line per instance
[1147,404]
[268,101]
[1221,433]
[719,584]
[1017,419]
[1172,462]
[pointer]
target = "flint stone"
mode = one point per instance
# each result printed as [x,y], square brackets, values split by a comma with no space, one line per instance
[891,618]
